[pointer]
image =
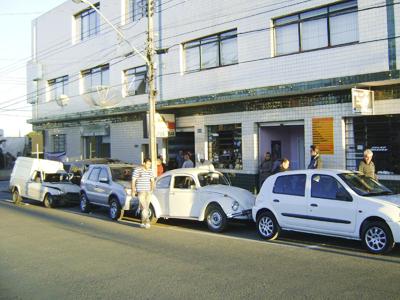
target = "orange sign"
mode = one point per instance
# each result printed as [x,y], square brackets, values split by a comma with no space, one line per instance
[322,134]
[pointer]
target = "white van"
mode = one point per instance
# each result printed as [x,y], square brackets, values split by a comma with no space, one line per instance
[42,180]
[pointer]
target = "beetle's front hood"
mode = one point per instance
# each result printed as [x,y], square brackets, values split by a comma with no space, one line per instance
[393,199]
[244,197]
[65,187]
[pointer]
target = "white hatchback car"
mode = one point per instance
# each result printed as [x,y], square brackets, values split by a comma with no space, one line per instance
[200,194]
[329,202]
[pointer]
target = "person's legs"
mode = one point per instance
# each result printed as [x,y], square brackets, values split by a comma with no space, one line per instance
[144,200]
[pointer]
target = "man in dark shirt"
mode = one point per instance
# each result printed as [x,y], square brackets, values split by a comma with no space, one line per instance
[315,161]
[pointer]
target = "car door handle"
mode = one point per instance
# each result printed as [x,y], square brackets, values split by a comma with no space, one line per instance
[276,200]
[314,205]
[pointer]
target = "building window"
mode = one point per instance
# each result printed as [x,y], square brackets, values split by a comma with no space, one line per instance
[59,141]
[138,9]
[212,51]
[316,29]
[225,146]
[57,87]
[135,81]
[380,134]
[89,22]
[95,77]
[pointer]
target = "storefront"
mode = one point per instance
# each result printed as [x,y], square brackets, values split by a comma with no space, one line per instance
[381,134]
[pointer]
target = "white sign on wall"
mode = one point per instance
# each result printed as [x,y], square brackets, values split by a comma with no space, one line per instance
[165,125]
[363,101]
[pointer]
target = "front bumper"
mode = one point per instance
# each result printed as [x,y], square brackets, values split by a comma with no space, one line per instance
[243,215]
[395,228]
[67,198]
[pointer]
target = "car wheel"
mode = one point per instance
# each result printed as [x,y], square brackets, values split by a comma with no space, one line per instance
[377,237]
[84,204]
[267,226]
[16,197]
[115,209]
[216,218]
[49,201]
[152,215]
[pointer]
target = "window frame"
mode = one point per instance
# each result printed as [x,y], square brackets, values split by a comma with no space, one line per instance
[91,72]
[53,85]
[135,72]
[57,138]
[299,20]
[206,40]
[134,17]
[87,13]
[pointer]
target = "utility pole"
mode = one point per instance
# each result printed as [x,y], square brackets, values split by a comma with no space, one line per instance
[152,86]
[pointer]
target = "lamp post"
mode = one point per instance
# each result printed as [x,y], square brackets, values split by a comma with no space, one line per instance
[151,73]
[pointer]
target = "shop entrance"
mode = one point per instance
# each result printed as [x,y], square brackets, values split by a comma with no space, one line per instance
[183,140]
[283,139]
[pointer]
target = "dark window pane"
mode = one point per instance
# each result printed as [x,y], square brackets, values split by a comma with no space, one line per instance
[164,183]
[94,175]
[326,187]
[290,185]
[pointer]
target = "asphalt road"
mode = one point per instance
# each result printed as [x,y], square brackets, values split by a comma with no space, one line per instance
[63,254]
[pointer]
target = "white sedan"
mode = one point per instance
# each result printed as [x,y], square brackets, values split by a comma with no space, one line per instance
[202,195]
[329,202]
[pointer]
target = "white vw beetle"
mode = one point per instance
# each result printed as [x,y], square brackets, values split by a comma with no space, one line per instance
[200,194]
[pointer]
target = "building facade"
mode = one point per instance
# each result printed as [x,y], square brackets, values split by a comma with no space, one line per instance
[240,78]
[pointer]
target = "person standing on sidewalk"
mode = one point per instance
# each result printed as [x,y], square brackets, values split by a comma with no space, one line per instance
[367,166]
[315,161]
[143,184]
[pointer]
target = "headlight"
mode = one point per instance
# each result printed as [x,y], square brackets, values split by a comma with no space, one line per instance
[235,205]
[128,192]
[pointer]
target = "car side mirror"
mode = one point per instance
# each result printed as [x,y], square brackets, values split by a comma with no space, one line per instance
[344,196]
[193,187]
[103,180]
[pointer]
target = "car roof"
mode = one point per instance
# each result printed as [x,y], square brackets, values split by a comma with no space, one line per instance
[188,171]
[118,165]
[316,171]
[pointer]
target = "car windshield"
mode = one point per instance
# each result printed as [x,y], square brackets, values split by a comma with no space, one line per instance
[122,173]
[212,178]
[365,186]
[56,177]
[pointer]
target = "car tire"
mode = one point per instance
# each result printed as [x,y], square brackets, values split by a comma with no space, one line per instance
[49,201]
[377,237]
[216,218]
[84,204]
[267,226]
[115,209]
[152,215]
[16,197]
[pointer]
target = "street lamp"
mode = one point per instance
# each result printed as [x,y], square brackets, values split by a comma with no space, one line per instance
[151,78]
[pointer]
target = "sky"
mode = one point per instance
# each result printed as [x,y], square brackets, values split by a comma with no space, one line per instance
[15,51]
